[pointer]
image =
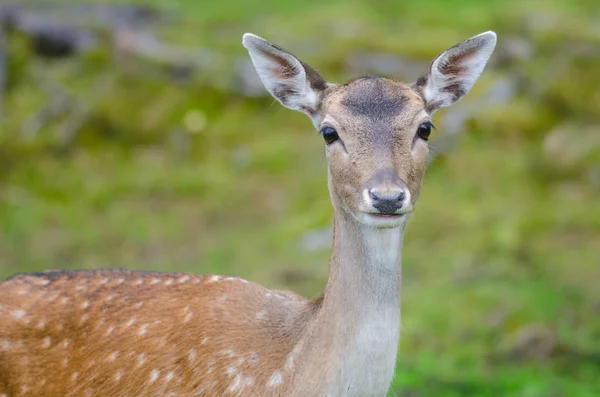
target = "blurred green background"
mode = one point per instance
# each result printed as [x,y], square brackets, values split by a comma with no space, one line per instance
[155,147]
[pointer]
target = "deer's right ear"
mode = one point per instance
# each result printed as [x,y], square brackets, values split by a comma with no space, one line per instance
[296,85]
[454,72]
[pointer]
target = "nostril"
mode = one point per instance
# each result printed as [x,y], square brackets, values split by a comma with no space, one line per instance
[373,195]
[401,196]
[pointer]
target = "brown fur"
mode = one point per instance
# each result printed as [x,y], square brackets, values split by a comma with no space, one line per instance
[103,333]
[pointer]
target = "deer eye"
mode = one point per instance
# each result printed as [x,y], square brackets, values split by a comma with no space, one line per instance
[424,130]
[329,134]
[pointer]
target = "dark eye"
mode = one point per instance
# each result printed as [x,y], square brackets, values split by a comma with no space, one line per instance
[424,131]
[329,134]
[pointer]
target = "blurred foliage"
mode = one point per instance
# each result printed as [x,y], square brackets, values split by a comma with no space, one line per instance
[501,261]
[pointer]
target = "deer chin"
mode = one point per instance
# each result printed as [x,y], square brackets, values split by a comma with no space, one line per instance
[382,221]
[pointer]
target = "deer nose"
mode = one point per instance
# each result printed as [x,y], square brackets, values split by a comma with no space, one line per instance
[389,201]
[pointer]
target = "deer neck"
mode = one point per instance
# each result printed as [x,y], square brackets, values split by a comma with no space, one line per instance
[364,274]
[358,323]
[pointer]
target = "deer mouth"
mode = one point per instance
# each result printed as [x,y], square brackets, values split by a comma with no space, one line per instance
[379,220]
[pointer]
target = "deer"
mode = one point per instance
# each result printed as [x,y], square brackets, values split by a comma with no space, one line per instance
[133,333]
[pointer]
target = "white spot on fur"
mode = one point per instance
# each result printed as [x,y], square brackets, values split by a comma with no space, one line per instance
[227,352]
[65,343]
[154,375]
[6,344]
[289,363]
[260,315]
[85,305]
[141,359]
[204,340]
[18,314]
[131,321]
[113,356]
[143,329]
[81,288]
[237,382]
[104,281]
[184,279]
[138,305]
[100,323]
[74,376]
[46,342]
[120,281]
[155,281]
[139,281]
[212,279]
[192,355]
[41,324]
[169,376]
[22,292]
[118,375]
[196,281]
[110,297]
[187,317]
[169,282]
[84,317]
[110,330]
[275,379]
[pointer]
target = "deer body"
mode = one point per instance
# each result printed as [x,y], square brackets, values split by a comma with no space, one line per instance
[124,333]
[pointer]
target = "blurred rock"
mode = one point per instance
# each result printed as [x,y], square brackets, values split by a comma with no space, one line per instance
[541,21]
[345,28]
[570,145]
[384,64]
[316,240]
[180,141]
[248,81]
[579,49]
[502,91]
[532,342]
[513,48]
[497,318]
[55,41]
[241,158]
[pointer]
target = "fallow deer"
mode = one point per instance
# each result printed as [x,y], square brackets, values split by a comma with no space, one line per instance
[127,333]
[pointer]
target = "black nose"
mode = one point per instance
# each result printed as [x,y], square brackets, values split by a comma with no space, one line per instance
[387,202]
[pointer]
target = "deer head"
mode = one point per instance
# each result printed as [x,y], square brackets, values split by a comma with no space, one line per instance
[375,129]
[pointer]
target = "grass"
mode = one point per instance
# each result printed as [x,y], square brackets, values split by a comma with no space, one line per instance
[500,289]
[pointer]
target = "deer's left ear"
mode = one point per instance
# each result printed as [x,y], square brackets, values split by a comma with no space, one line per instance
[454,72]
[296,85]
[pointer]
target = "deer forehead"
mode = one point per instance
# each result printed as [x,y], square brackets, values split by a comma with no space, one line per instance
[372,106]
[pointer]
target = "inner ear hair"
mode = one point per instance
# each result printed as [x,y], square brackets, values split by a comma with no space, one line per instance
[293,83]
[454,72]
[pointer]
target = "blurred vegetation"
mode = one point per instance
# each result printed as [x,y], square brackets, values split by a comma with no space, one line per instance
[147,166]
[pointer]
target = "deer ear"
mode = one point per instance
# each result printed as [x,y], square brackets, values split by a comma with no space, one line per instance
[296,85]
[454,72]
